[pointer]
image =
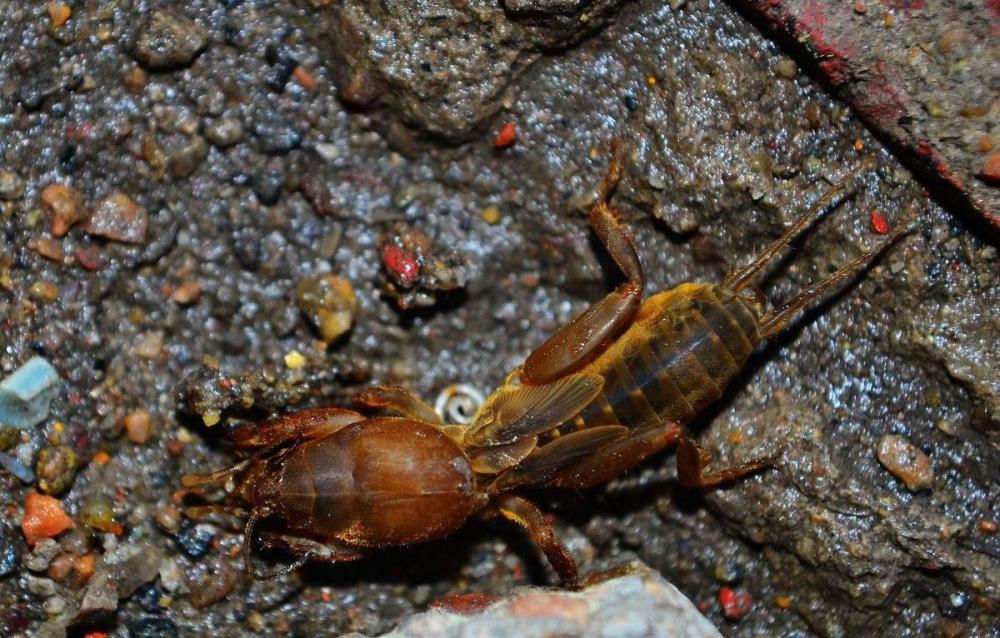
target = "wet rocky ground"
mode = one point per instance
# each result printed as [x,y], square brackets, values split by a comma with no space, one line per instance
[185,192]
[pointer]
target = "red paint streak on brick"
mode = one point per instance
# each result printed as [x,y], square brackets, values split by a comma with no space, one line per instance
[465,604]
[813,18]
[994,7]
[879,101]
[906,6]
[548,606]
[833,51]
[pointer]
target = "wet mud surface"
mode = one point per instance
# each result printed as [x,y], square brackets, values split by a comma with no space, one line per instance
[217,157]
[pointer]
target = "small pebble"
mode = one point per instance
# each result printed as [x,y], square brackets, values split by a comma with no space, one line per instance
[10,556]
[40,586]
[43,291]
[787,68]
[60,567]
[100,600]
[329,303]
[506,136]
[41,556]
[294,360]
[47,248]
[224,132]
[11,186]
[97,513]
[187,293]
[168,40]
[906,461]
[148,345]
[990,172]
[275,134]
[879,223]
[168,518]
[117,217]
[135,79]
[195,540]
[54,605]
[211,581]
[735,603]
[64,204]
[814,115]
[491,215]
[950,39]
[268,186]
[183,154]
[859,7]
[56,467]
[728,571]
[171,577]
[59,13]
[985,144]
[9,437]
[138,426]
[936,109]
[149,596]
[25,396]
[13,465]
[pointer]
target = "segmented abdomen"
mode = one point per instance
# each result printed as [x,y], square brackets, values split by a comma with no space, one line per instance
[678,357]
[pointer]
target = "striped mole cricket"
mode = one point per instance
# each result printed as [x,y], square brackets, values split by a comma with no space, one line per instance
[601,395]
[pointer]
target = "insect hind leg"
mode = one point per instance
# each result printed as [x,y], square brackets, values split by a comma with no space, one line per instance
[692,461]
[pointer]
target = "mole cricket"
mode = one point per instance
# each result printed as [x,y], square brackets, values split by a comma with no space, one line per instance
[601,395]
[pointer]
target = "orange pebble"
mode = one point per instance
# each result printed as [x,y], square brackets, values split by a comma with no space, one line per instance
[304,78]
[59,13]
[84,565]
[102,457]
[43,518]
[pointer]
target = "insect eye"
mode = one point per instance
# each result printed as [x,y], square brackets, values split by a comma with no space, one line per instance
[458,403]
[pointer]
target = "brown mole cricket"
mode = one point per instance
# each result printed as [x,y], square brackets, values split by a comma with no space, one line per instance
[605,392]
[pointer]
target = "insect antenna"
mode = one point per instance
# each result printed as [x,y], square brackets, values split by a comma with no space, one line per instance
[776,319]
[740,279]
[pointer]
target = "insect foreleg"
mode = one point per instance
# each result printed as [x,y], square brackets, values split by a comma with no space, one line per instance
[396,399]
[530,518]
[306,424]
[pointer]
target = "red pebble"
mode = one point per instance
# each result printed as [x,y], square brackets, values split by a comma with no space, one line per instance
[735,604]
[506,136]
[89,257]
[879,225]
[471,603]
[401,263]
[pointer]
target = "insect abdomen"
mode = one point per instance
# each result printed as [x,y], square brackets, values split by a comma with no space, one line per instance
[684,349]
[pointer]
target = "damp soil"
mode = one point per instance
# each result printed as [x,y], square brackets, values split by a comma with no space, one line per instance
[260,144]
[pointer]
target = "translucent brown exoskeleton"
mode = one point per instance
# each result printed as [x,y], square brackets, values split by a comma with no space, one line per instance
[616,385]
